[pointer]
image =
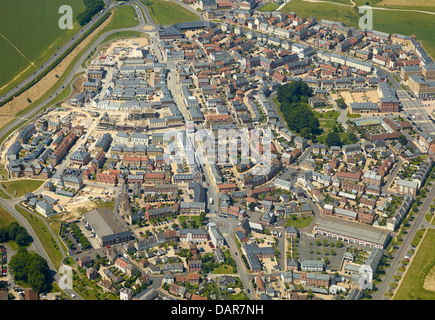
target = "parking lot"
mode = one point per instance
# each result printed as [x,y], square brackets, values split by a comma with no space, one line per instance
[418,112]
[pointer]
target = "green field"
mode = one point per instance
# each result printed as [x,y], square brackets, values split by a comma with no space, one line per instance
[34,31]
[168,12]
[422,265]
[22,186]
[323,11]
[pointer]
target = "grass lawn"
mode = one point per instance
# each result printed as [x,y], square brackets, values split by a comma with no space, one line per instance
[269,7]
[88,290]
[417,237]
[223,269]
[192,218]
[168,12]
[4,173]
[44,236]
[299,223]
[422,265]
[22,186]
[105,205]
[353,115]
[341,1]
[327,121]
[123,17]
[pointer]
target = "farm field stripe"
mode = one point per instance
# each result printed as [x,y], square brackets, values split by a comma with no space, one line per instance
[17,49]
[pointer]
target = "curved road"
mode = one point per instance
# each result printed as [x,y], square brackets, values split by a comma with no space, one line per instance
[9,205]
[71,76]
[65,48]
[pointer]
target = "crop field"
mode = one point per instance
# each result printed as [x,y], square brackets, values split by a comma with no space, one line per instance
[29,34]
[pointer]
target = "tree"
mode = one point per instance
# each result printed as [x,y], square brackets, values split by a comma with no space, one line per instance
[92,7]
[352,137]
[341,103]
[333,139]
[310,294]
[31,268]
[293,99]
[22,238]
[15,232]
[402,139]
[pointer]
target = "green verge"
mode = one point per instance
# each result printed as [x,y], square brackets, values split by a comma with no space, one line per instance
[44,236]
[5,217]
[422,266]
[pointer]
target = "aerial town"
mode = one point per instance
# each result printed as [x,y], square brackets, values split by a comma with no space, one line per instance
[175,171]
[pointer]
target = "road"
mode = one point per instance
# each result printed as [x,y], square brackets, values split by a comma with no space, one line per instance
[9,205]
[77,68]
[213,210]
[62,50]
[405,246]
[36,246]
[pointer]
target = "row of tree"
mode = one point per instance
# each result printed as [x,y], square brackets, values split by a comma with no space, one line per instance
[92,7]
[14,232]
[293,98]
